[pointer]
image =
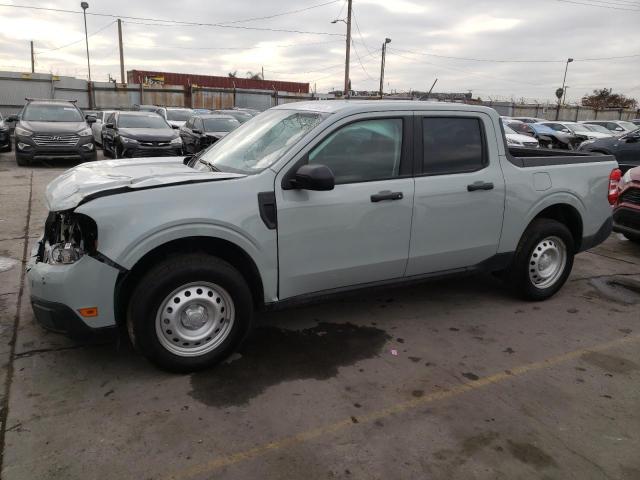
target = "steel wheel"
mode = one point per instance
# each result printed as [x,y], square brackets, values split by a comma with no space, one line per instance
[547,262]
[195,319]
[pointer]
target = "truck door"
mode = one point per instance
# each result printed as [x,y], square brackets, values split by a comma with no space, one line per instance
[460,192]
[358,232]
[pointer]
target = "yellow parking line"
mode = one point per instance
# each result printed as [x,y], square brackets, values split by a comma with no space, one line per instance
[238,457]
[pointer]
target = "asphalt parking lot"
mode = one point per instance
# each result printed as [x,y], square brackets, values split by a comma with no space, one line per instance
[452,379]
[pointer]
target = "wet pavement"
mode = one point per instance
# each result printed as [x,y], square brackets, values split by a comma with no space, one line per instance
[450,379]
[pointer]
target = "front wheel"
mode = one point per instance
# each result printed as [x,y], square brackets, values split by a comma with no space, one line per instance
[190,312]
[543,259]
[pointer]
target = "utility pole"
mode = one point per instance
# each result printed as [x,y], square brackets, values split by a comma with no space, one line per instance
[384,52]
[564,81]
[347,83]
[122,79]
[33,62]
[348,54]
[84,6]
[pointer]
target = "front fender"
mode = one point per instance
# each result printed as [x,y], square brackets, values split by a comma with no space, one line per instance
[262,259]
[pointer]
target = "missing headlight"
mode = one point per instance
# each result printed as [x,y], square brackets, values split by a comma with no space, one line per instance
[67,237]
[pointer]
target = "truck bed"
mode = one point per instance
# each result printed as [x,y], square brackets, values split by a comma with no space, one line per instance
[538,157]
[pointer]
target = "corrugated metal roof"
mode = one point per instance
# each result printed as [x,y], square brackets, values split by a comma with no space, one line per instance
[168,78]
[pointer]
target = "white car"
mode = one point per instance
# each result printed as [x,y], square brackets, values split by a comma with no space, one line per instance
[175,116]
[96,127]
[576,129]
[616,127]
[514,139]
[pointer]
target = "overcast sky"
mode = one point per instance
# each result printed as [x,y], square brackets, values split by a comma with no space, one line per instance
[498,30]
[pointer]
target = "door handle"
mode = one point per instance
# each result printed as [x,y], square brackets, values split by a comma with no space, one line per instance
[386,195]
[480,186]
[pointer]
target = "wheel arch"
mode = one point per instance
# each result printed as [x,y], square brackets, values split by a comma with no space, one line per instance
[566,214]
[218,247]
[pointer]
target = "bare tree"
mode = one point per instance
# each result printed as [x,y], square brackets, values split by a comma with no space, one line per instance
[254,76]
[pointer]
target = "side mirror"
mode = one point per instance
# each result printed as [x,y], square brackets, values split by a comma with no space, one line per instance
[197,131]
[11,118]
[175,127]
[91,119]
[313,177]
[619,129]
[108,125]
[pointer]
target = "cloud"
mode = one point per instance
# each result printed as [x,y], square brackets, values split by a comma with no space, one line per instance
[490,29]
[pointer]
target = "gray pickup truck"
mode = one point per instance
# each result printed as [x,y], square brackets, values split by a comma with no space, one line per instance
[302,201]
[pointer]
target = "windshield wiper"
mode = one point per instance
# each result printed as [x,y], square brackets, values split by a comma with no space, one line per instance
[208,164]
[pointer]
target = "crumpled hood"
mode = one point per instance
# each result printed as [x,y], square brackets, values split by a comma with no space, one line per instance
[73,186]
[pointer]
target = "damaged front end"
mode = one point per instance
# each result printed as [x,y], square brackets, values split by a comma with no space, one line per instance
[67,237]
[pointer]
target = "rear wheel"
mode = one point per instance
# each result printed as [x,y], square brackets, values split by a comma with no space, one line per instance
[543,260]
[190,312]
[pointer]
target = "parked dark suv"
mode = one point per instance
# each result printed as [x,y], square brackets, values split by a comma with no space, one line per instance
[52,130]
[139,134]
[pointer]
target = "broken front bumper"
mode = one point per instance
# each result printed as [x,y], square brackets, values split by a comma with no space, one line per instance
[59,292]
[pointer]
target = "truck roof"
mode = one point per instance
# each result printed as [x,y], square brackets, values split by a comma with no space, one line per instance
[357,106]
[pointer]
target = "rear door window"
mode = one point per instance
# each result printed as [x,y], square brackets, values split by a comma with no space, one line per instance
[452,145]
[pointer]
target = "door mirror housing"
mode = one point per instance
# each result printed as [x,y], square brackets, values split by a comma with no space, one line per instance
[175,127]
[108,125]
[91,119]
[11,118]
[197,131]
[313,177]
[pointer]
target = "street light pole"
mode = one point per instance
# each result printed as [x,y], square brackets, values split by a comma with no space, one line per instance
[84,6]
[384,52]
[564,81]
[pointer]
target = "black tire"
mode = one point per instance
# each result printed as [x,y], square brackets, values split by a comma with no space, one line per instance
[105,149]
[21,160]
[173,273]
[632,238]
[519,273]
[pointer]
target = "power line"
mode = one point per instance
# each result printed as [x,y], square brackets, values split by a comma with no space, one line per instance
[77,41]
[163,22]
[253,47]
[600,6]
[394,51]
[360,61]
[290,12]
[353,13]
[495,60]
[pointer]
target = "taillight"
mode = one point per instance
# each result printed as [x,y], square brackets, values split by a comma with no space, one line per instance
[614,179]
